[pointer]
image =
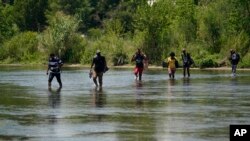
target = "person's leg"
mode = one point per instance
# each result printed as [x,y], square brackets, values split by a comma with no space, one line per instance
[100,75]
[136,71]
[51,76]
[94,78]
[188,72]
[234,69]
[169,73]
[58,77]
[140,70]
[173,72]
[184,71]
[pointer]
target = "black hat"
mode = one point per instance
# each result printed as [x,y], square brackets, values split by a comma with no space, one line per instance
[172,54]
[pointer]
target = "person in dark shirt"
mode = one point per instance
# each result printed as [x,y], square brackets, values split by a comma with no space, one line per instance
[139,58]
[54,69]
[234,59]
[100,67]
[187,62]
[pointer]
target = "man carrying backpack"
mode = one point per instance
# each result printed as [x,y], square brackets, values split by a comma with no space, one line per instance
[234,59]
[100,67]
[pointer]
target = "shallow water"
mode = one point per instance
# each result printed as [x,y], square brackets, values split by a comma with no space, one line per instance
[157,109]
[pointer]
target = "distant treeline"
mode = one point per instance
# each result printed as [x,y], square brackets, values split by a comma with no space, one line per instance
[74,29]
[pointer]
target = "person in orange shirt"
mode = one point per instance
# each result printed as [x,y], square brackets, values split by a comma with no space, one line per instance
[172,65]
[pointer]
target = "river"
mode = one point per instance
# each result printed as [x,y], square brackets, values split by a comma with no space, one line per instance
[200,108]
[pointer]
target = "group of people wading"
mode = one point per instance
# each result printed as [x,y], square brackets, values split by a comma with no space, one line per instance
[99,66]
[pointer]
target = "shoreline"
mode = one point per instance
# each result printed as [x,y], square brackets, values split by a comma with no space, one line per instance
[117,67]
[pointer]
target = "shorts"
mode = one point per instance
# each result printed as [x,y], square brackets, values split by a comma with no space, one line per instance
[171,70]
[186,65]
[97,74]
[52,75]
[138,70]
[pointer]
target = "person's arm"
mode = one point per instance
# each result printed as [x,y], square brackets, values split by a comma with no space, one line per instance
[133,58]
[145,57]
[167,61]
[48,69]
[105,63]
[60,63]
[92,64]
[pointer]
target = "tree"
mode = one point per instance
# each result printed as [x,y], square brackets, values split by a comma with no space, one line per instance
[78,8]
[211,26]
[8,27]
[61,37]
[155,21]
[30,14]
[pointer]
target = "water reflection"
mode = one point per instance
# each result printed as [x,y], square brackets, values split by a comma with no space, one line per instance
[200,108]
[187,90]
[171,84]
[99,97]
[186,86]
[54,97]
[139,93]
[186,81]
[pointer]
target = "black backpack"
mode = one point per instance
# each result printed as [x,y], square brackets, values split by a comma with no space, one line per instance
[176,64]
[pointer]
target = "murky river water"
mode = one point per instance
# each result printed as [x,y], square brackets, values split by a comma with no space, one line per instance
[157,109]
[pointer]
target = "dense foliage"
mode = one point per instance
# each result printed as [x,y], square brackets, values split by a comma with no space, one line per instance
[74,30]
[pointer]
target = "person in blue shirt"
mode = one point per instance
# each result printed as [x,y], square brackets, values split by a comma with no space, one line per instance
[54,69]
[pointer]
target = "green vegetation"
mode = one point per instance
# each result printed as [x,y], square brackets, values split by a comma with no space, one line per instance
[74,30]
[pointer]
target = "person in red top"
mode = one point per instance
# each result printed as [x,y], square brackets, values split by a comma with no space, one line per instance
[139,59]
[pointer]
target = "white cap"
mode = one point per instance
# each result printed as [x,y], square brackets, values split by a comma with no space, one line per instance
[98,51]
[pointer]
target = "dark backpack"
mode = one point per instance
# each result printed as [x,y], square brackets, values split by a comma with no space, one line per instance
[176,63]
[99,63]
[191,61]
[164,64]
[235,58]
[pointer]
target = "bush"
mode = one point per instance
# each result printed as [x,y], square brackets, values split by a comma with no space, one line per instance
[120,59]
[75,47]
[115,49]
[21,48]
[206,63]
[94,33]
[59,37]
[245,61]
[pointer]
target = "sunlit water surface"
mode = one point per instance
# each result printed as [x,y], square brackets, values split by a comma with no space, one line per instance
[157,109]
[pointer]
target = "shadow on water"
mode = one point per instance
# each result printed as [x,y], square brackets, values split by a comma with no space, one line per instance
[171,84]
[186,86]
[139,94]
[54,97]
[99,97]
[54,100]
